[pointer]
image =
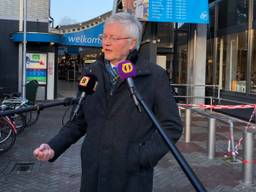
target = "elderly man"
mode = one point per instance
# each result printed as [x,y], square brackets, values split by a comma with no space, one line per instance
[121,146]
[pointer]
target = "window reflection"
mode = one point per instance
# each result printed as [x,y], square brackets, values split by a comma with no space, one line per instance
[233,13]
[232,53]
[253,68]
[209,62]
[231,46]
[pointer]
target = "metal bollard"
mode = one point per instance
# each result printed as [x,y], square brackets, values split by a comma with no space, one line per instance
[248,157]
[179,111]
[188,125]
[232,140]
[211,138]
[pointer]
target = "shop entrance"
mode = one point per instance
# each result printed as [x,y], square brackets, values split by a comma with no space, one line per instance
[71,62]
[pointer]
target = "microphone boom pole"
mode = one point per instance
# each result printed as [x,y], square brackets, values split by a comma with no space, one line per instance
[38,107]
[126,71]
[176,153]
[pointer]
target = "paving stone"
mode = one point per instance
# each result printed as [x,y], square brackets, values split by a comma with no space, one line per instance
[217,175]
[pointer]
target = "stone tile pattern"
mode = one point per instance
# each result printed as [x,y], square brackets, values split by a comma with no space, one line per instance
[217,175]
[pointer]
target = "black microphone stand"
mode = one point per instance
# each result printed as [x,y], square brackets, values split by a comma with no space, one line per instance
[75,112]
[38,107]
[172,147]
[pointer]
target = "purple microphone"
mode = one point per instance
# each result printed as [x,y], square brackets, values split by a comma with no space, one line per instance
[126,69]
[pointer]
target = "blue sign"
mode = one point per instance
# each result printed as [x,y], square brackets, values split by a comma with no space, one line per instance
[87,37]
[180,11]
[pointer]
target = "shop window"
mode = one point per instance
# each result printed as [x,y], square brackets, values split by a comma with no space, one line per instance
[253,68]
[209,62]
[221,59]
[233,13]
[232,54]
[254,12]
[182,64]
[182,61]
[210,27]
[164,34]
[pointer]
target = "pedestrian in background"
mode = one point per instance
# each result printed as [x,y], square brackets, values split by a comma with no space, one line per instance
[121,146]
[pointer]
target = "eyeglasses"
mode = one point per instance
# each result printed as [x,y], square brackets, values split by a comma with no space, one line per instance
[104,37]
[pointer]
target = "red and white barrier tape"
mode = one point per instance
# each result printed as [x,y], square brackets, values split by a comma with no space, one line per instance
[249,124]
[202,106]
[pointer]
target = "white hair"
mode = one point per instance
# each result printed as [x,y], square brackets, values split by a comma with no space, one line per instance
[131,24]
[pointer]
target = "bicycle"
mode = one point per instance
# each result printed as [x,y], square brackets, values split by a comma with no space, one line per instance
[19,119]
[14,101]
[7,134]
[8,129]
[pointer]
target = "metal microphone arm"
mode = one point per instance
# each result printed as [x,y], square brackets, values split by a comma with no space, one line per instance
[78,105]
[132,92]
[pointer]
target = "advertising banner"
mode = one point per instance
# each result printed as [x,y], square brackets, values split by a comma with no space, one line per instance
[36,67]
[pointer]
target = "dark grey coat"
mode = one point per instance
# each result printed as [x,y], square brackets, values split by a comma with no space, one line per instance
[121,146]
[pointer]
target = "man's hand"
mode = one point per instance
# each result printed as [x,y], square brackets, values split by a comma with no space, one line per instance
[44,152]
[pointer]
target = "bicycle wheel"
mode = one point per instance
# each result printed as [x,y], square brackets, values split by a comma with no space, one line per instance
[7,135]
[32,117]
[18,119]
[20,122]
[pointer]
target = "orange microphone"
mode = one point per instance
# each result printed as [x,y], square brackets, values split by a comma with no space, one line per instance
[87,86]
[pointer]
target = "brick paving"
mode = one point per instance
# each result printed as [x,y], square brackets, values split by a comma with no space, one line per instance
[20,172]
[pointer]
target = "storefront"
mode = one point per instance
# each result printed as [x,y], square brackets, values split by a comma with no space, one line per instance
[231,50]
[71,61]
[70,53]
[76,50]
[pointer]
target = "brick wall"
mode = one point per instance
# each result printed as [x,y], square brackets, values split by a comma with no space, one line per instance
[9,9]
[37,10]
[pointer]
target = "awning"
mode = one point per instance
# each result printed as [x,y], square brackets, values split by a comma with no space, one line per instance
[36,37]
[87,37]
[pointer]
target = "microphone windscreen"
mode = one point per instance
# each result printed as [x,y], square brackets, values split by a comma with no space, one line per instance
[88,84]
[126,69]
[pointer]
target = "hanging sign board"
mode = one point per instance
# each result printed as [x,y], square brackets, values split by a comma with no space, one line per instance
[180,11]
[87,37]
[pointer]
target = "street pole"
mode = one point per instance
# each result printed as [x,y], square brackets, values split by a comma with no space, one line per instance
[24,47]
[114,7]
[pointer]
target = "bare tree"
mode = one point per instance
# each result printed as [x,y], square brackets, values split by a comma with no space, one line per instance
[67,21]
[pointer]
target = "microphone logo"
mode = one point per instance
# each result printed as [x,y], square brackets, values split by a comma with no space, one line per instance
[88,84]
[126,69]
[84,81]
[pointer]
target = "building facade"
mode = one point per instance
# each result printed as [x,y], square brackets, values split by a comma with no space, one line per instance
[231,50]
[44,45]
[218,59]
[231,46]
[11,21]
